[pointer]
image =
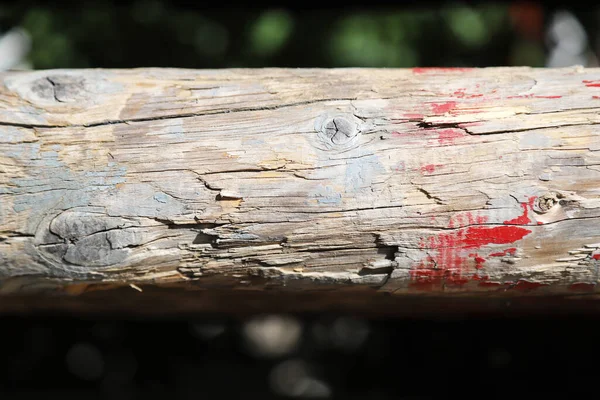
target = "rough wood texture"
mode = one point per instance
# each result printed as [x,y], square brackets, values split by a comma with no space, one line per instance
[406,181]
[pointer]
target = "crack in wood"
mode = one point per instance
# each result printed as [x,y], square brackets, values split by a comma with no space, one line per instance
[173,116]
[54,89]
[429,196]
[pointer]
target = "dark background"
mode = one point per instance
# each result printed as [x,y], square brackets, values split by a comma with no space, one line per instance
[196,34]
[335,357]
[303,356]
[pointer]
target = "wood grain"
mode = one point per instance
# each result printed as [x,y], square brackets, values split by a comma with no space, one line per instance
[406,182]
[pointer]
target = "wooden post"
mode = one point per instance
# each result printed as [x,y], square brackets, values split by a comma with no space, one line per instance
[353,184]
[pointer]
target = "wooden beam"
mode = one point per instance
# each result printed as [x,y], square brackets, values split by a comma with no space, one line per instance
[452,182]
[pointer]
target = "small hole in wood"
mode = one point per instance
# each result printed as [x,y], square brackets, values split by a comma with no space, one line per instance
[546,202]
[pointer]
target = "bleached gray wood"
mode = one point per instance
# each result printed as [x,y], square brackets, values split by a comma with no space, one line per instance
[407,181]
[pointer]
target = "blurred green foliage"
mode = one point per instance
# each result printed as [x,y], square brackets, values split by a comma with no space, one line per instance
[157,33]
[270,31]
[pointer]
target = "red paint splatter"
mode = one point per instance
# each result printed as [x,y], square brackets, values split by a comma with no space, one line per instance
[510,251]
[461,94]
[456,280]
[449,135]
[596,256]
[449,251]
[430,167]
[595,97]
[467,218]
[582,286]
[477,236]
[431,278]
[592,83]
[429,70]
[522,219]
[478,260]
[532,96]
[447,263]
[443,108]
[527,285]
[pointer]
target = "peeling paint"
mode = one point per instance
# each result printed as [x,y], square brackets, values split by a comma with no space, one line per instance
[443,108]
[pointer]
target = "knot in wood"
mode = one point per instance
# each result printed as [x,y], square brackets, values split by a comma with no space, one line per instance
[544,203]
[60,88]
[89,239]
[339,130]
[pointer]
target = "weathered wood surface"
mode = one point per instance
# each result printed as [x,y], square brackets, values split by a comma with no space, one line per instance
[417,181]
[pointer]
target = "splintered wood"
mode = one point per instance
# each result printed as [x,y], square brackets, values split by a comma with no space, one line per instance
[403,181]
